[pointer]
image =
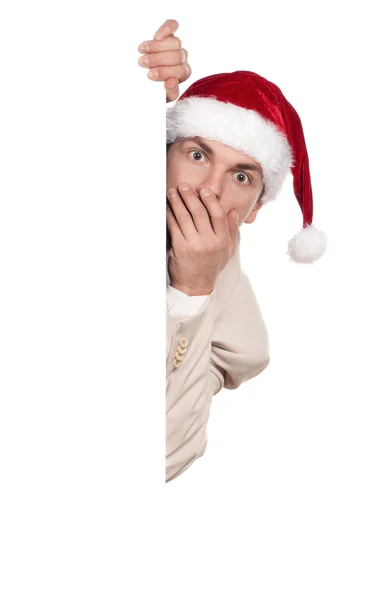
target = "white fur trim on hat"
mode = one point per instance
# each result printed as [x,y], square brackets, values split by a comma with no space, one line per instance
[307,245]
[240,128]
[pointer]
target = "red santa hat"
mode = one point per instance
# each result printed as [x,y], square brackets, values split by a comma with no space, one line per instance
[250,114]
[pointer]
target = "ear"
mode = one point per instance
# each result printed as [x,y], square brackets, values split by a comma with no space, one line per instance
[252,216]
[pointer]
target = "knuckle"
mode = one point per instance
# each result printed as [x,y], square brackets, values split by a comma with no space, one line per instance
[184,249]
[181,72]
[200,214]
[198,249]
[212,248]
[185,218]
[198,209]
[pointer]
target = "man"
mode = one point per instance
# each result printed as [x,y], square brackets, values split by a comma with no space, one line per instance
[234,136]
[212,311]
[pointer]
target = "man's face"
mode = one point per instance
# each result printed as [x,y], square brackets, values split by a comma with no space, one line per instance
[234,178]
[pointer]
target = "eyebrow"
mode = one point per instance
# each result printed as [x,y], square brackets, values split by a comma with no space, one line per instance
[244,166]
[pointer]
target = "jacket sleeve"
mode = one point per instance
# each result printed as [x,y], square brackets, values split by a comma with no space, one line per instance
[240,346]
[218,347]
[188,396]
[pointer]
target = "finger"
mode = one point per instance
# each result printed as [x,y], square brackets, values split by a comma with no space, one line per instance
[163,59]
[170,43]
[181,72]
[233,229]
[168,27]
[198,211]
[174,229]
[182,215]
[217,215]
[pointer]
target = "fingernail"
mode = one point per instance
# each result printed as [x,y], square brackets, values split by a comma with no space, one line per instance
[205,192]
[144,47]
[153,74]
[144,60]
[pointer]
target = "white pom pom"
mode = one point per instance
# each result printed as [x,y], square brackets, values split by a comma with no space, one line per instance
[307,245]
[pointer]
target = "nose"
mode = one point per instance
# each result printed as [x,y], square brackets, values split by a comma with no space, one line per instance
[214,180]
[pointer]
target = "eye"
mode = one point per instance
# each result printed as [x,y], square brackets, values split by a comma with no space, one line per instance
[196,152]
[245,176]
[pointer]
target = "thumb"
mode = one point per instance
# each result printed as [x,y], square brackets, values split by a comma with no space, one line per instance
[171,87]
[232,217]
[172,83]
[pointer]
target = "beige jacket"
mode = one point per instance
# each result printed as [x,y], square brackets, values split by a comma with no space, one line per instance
[223,345]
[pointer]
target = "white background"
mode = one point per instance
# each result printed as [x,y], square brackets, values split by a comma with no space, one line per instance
[289,499]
